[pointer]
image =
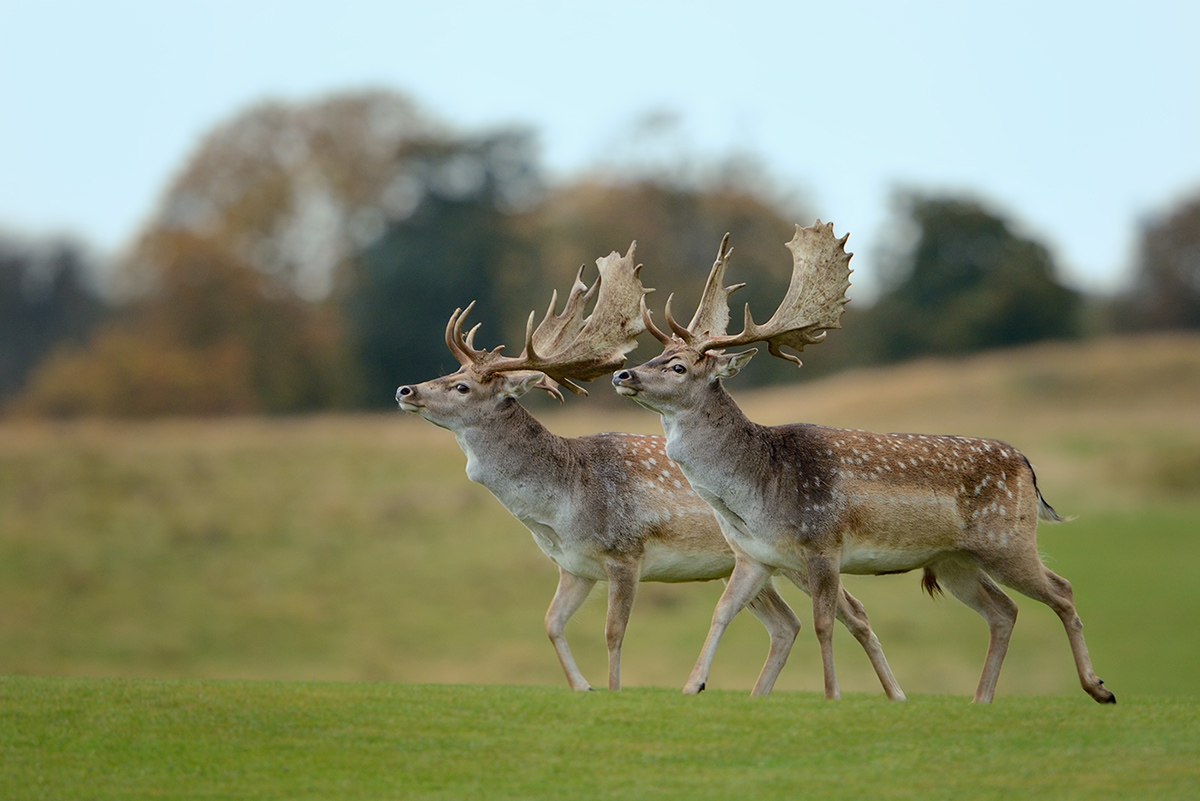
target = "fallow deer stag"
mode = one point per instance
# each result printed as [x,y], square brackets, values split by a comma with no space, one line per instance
[608,507]
[824,500]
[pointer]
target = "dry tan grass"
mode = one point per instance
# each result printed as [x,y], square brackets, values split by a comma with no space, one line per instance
[353,547]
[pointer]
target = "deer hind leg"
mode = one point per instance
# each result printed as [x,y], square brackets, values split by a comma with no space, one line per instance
[746,581]
[782,626]
[969,584]
[853,616]
[826,586]
[622,586]
[1030,577]
[570,595]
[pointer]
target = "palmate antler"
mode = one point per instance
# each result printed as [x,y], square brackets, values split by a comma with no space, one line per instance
[814,302]
[568,347]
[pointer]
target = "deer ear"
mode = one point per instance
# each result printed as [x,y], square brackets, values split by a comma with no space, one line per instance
[730,364]
[518,382]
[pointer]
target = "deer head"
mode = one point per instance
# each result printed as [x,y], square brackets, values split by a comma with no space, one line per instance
[562,349]
[695,356]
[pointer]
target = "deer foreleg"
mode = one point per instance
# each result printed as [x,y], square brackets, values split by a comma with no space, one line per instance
[744,583]
[570,595]
[622,586]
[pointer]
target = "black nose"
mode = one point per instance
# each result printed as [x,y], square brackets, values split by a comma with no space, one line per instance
[623,375]
[403,392]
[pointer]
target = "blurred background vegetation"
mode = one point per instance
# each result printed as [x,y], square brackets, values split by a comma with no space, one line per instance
[307,256]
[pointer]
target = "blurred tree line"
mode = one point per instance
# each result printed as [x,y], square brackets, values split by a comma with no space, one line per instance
[308,256]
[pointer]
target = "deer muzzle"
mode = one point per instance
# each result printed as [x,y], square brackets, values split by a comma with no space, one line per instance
[406,396]
[625,382]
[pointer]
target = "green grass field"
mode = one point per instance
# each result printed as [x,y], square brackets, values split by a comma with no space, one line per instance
[125,739]
[353,550]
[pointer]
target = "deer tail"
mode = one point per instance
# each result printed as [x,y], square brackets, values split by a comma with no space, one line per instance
[1045,511]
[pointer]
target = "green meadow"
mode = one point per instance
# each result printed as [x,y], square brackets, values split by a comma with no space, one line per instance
[123,739]
[285,607]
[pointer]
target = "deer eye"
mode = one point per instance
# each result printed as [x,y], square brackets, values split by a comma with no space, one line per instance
[679,368]
[462,388]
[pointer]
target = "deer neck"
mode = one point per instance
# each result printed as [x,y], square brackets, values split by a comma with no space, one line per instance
[699,433]
[510,451]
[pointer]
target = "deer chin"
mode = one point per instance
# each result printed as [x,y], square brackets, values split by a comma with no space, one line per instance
[405,406]
[626,391]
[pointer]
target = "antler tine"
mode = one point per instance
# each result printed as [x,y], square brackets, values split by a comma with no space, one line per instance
[712,314]
[566,325]
[814,302]
[464,353]
[469,339]
[654,330]
[569,347]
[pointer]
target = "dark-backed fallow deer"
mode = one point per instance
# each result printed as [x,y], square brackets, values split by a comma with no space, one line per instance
[804,497]
[608,507]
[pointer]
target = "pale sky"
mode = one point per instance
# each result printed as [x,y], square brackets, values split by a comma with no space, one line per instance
[1079,120]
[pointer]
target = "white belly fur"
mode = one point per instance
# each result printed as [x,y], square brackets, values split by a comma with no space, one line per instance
[666,564]
[871,560]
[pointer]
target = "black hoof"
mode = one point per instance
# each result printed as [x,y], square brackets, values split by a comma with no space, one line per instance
[702,686]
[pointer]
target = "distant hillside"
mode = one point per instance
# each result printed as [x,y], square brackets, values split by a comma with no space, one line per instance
[1136,375]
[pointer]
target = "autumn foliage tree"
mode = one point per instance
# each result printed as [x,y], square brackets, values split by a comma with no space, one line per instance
[214,336]
[227,290]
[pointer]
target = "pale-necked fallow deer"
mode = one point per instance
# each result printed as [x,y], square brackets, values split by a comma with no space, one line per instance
[608,507]
[805,497]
